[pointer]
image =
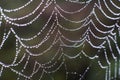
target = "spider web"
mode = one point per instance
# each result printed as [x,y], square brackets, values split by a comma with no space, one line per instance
[60,39]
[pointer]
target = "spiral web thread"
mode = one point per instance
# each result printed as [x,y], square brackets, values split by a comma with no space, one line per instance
[98,25]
